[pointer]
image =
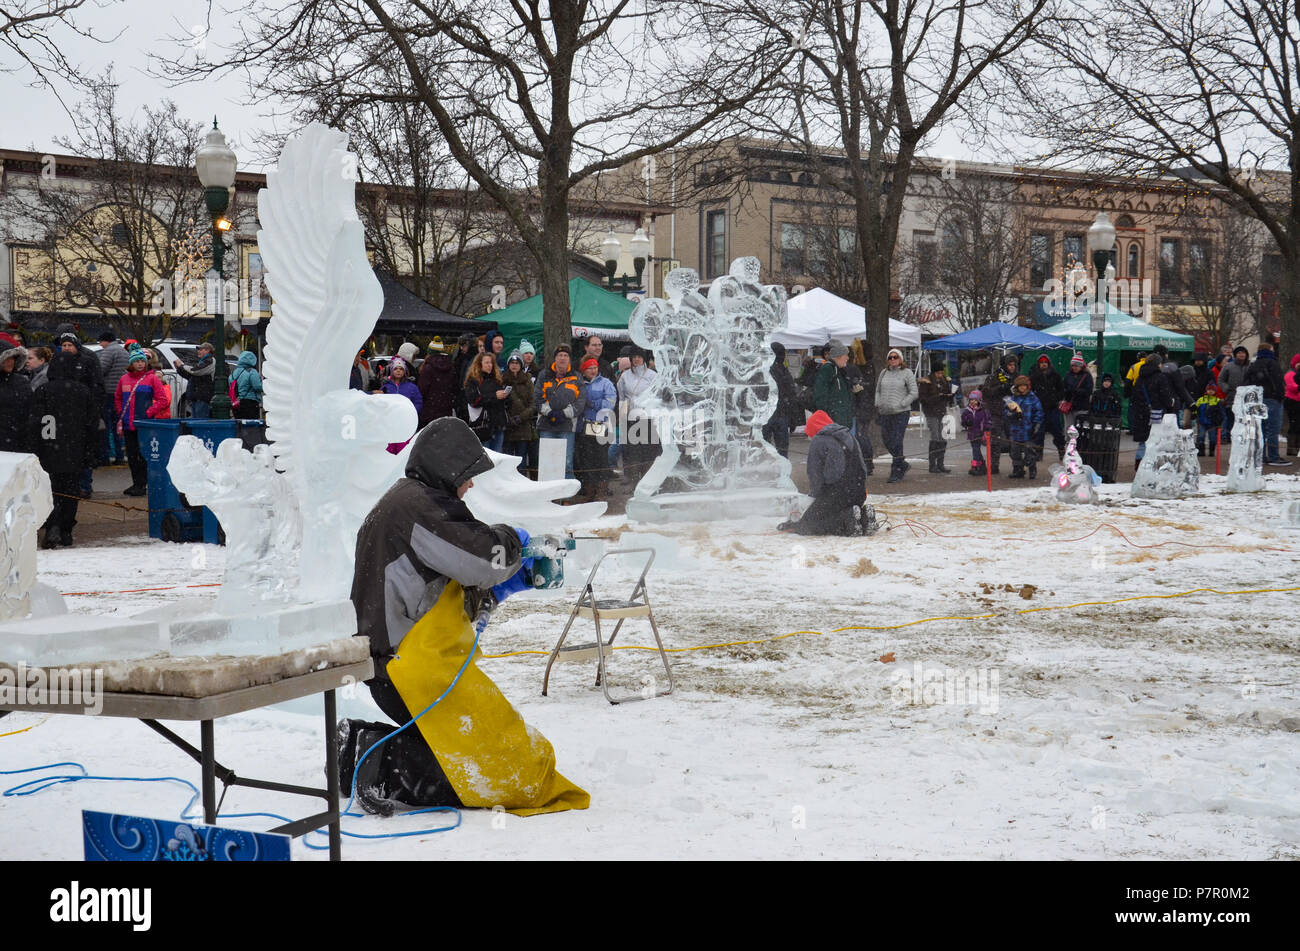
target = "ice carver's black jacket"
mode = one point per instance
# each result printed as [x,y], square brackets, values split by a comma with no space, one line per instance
[419,536]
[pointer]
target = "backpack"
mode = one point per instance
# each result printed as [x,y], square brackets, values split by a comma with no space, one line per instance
[234,392]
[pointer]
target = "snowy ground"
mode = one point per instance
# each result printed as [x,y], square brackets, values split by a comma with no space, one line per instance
[1148,728]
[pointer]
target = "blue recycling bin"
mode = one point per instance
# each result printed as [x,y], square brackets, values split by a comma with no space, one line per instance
[213,432]
[171,517]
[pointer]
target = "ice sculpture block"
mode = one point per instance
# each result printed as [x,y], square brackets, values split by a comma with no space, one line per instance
[25,504]
[1246,461]
[712,395]
[502,495]
[1072,481]
[1170,469]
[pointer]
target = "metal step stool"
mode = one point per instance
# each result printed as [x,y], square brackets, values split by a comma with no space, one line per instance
[637,604]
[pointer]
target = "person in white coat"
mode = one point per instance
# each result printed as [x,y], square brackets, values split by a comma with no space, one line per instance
[639,439]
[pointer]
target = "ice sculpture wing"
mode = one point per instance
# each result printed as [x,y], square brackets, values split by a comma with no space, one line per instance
[325,295]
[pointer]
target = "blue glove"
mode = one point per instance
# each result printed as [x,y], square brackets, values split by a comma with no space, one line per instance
[519,581]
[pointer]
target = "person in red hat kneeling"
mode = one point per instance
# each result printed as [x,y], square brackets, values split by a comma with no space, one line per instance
[837,481]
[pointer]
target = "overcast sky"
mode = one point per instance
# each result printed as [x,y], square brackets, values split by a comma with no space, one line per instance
[33,118]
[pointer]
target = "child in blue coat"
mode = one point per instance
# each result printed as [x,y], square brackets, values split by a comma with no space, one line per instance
[1024,415]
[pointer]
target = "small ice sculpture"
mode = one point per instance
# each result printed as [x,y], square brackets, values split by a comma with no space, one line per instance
[502,495]
[1246,463]
[1074,482]
[254,505]
[25,504]
[711,398]
[1291,514]
[1170,469]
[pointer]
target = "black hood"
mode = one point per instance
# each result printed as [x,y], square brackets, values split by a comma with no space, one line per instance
[445,454]
[779,350]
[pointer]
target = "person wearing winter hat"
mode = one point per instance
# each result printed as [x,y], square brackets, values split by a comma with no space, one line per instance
[976,420]
[1050,390]
[401,382]
[1024,415]
[521,431]
[140,395]
[837,481]
[436,382]
[1209,419]
[528,354]
[1105,399]
[832,391]
[560,397]
[427,571]
[15,395]
[996,388]
[63,431]
[1078,391]
[595,432]
[410,352]
[896,390]
[936,395]
[1232,375]
[640,441]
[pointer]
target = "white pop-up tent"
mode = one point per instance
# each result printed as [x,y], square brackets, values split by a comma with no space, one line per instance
[817,316]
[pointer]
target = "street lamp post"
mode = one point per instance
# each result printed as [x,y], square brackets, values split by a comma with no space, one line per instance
[611,248]
[1101,238]
[215,163]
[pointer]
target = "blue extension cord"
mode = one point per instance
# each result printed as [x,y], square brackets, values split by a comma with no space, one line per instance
[45,782]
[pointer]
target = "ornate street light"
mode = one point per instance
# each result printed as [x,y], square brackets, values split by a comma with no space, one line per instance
[1101,238]
[611,249]
[215,163]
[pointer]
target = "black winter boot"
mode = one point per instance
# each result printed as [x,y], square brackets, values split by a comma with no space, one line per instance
[939,466]
[1033,470]
[1017,472]
[895,473]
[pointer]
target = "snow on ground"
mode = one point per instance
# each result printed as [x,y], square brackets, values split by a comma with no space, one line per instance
[1144,729]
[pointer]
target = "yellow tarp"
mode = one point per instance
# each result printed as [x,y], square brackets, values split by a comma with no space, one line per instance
[487,751]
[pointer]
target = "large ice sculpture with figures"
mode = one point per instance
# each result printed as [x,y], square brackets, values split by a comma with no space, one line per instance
[1246,462]
[1074,482]
[291,510]
[1170,469]
[712,395]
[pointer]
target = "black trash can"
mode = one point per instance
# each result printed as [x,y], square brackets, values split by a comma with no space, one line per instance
[1098,444]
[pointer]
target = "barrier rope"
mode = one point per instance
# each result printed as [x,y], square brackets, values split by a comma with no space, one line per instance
[926,620]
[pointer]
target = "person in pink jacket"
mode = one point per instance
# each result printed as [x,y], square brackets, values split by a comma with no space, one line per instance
[1291,402]
[141,394]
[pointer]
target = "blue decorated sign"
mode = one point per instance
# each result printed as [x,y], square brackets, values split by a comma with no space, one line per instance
[114,838]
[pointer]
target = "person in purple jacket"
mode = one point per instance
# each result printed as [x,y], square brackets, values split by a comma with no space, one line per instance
[400,383]
[976,420]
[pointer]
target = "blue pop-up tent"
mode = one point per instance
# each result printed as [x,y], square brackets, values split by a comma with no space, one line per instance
[995,336]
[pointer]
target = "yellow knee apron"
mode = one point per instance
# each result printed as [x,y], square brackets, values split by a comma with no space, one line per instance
[487,751]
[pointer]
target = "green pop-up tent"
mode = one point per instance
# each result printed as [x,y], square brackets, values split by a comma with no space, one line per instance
[590,307]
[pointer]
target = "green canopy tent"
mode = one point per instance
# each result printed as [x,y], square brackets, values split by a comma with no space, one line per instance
[591,308]
[1126,338]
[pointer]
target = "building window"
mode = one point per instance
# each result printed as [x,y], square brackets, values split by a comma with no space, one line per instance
[1198,266]
[953,251]
[1170,266]
[927,257]
[1072,251]
[1040,259]
[848,249]
[792,249]
[20,258]
[1134,261]
[120,233]
[715,246]
[1125,221]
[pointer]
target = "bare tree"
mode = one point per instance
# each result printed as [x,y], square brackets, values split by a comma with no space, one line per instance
[122,223]
[1201,88]
[569,88]
[978,251]
[818,247]
[33,33]
[875,79]
[1223,278]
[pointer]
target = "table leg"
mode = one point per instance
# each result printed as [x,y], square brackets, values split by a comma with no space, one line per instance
[332,774]
[208,761]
